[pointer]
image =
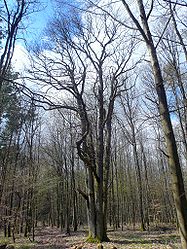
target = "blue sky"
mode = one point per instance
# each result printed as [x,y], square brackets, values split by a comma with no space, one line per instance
[38,20]
[35,24]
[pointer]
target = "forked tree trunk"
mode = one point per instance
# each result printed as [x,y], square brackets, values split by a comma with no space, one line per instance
[95,183]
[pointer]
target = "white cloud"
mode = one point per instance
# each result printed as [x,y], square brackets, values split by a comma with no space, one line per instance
[20,58]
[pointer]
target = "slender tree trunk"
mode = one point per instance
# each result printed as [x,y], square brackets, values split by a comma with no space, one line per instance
[74,194]
[182,125]
[139,180]
[91,206]
[177,30]
[113,204]
[58,204]
[67,191]
[172,153]
[173,159]
[147,187]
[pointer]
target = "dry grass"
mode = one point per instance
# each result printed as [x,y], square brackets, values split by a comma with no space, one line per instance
[53,238]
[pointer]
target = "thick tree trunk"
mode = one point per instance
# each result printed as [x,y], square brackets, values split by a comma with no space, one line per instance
[96,217]
[94,171]
[101,229]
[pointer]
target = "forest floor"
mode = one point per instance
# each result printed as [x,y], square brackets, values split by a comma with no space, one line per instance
[53,238]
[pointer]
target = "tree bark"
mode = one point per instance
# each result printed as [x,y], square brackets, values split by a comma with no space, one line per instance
[172,153]
[173,158]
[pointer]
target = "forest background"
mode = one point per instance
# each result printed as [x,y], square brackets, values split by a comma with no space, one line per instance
[94,126]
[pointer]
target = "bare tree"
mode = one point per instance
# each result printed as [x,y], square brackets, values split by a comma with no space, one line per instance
[91,72]
[129,103]
[172,154]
